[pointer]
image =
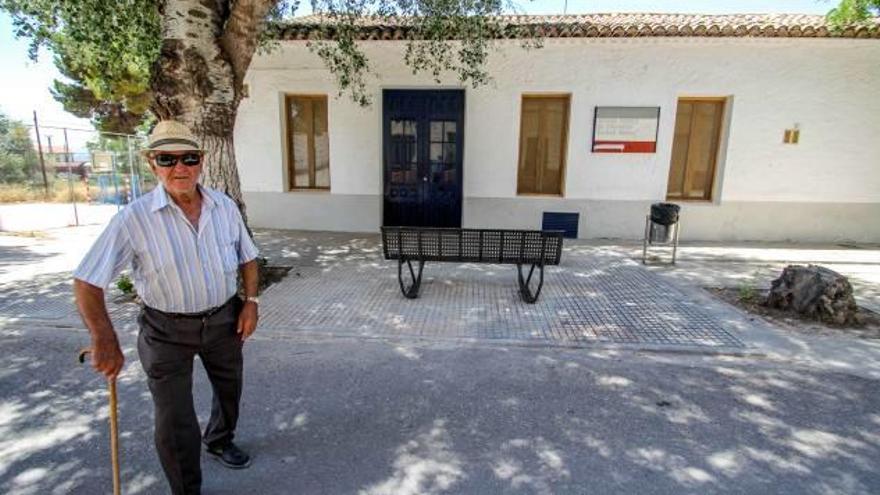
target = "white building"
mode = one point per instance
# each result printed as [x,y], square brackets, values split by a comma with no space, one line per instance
[703,105]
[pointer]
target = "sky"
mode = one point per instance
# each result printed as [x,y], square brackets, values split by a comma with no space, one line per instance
[24,86]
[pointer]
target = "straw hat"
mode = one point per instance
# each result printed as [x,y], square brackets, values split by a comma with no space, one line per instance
[171,135]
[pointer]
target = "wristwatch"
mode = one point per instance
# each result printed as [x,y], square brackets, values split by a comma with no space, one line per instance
[253,299]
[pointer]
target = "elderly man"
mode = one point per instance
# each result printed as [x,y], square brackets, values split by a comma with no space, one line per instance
[186,244]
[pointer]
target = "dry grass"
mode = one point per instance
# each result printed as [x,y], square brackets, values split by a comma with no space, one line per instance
[36,234]
[58,193]
[868,328]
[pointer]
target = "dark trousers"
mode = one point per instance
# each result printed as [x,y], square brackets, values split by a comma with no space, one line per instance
[167,345]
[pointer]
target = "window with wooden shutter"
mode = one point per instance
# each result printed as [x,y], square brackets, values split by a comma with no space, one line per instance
[542,145]
[695,149]
[308,142]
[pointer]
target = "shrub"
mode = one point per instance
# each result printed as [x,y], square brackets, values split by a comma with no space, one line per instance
[747,292]
[125,285]
[59,192]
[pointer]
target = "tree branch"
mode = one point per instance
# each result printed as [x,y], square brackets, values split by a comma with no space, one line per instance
[241,35]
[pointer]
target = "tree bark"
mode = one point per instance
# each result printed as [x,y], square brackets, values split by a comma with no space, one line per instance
[206,49]
[816,292]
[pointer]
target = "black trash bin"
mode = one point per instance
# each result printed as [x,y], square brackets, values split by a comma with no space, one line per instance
[665,213]
[662,227]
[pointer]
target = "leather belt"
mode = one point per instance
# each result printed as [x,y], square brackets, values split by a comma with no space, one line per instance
[195,316]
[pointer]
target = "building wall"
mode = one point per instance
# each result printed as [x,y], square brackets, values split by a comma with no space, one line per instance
[827,187]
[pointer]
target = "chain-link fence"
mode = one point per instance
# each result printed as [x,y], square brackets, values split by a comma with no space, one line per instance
[45,163]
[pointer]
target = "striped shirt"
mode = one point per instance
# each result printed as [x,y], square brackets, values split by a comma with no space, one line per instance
[175,267]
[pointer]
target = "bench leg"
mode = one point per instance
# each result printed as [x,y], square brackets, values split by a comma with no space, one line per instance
[525,290]
[412,291]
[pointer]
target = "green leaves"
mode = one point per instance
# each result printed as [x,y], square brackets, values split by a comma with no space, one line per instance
[345,60]
[443,37]
[18,159]
[853,12]
[106,48]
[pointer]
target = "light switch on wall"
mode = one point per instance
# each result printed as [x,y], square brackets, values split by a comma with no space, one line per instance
[792,136]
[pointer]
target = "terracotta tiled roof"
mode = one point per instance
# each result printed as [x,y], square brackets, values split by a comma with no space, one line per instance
[620,26]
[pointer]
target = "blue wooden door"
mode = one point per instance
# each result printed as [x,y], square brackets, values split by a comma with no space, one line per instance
[422,141]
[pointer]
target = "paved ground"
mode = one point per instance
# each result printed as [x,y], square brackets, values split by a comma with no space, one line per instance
[405,417]
[593,297]
[709,264]
[334,261]
[41,216]
[341,286]
[466,390]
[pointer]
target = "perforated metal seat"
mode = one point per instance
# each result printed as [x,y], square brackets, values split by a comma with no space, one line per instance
[535,248]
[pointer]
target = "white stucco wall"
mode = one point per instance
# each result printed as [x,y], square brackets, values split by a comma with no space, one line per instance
[827,87]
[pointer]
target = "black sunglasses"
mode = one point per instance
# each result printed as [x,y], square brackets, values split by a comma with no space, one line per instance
[169,160]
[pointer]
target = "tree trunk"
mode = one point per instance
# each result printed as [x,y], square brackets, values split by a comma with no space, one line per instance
[206,49]
[221,172]
[816,292]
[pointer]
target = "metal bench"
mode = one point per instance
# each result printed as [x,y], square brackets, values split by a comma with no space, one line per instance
[532,248]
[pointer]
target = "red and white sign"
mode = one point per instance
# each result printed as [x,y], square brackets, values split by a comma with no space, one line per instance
[626,129]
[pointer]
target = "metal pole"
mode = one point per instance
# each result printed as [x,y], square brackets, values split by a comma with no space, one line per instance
[66,147]
[70,178]
[675,245]
[54,160]
[42,162]
[135,181]
[115,182]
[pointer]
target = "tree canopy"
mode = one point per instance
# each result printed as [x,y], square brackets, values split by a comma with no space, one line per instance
[187,60]
[18,159]
[854,11]
[105,48]
[108,50]
[443,37]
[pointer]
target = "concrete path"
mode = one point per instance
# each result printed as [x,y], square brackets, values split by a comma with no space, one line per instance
[330,409]
[590,298]
[404,417]
[325,254]
[751,263]
[29,217]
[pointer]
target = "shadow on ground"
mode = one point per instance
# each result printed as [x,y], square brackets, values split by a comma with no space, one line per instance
[372,417]
[12,256]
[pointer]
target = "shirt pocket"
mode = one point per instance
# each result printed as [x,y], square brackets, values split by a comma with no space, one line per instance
[228,252]
[150,264]
[151,272]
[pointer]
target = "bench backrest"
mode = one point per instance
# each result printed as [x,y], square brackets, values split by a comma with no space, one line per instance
[472,245]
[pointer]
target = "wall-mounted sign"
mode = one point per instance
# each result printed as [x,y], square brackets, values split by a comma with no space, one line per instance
[102,161]
[625,129]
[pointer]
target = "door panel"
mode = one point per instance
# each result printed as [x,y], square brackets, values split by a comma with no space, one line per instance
[301,144]
[402,186]
[321,147]
[527,178]
[423,157]
[543,136]
[695,149]
[680,142]
[554,149]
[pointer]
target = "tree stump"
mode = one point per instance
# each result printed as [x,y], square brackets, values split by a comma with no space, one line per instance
[815,292]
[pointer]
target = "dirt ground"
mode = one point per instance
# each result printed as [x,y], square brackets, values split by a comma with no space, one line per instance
[751,302]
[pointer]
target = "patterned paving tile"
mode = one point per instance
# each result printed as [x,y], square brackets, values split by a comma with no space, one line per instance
[49,297]
[593,296]
[589,298]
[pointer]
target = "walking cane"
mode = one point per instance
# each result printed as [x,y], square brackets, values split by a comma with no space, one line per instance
[114,426]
